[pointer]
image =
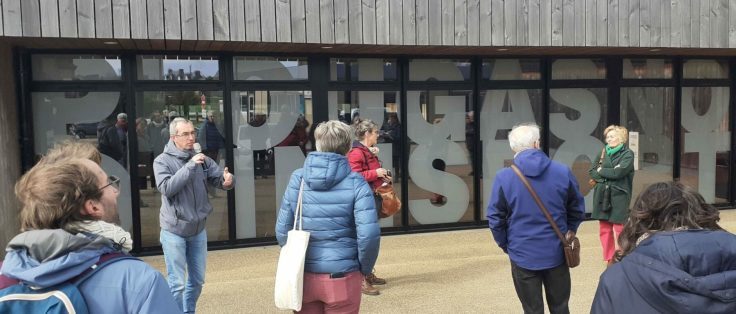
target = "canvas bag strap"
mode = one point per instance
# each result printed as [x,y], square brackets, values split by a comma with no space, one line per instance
[539,203]
[298,211]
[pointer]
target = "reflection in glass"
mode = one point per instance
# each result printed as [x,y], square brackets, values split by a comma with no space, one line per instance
[501,110]
[363,69]
[270,68]
[384,109]
[59,116]
[439,70]
[578,69]
[271,131]
[577,120]
[705,69]
[648,114]
[706,141]
[61,67]
[177,68]
[440,174]
[155,110]
[647,69]
[511,69]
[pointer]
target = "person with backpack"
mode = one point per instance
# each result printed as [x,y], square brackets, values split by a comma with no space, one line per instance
[71,254]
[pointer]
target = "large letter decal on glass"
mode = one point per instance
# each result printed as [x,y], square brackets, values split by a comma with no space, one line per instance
[705,134]
[436,141]
[576,133]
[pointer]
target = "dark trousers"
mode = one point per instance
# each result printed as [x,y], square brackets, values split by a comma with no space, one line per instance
[529,283]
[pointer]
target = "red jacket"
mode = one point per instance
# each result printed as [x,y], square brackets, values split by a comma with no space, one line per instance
[364,162]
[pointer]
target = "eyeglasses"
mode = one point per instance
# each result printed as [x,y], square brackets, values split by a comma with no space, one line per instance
[113,181]
[187,134]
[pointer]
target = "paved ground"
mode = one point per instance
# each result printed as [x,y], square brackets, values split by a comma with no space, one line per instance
[441,272]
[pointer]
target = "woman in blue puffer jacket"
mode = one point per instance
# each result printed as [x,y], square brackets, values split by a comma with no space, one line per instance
[339,212]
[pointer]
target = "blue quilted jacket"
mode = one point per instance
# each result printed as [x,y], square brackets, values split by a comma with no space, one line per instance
[339,211]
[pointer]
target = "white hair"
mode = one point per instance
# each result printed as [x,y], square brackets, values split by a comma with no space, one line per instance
[523,136]
[175,124]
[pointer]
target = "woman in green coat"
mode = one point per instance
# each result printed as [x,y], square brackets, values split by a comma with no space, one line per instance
[614,174]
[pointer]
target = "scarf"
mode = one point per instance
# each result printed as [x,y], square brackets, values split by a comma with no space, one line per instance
[612,150]
[107,230]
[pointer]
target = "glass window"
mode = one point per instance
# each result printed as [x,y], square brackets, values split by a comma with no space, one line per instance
[383,108]
[155,109]
[270,68]
[647,69]
[511,69]
[272,134]
[648,114]
[363,69]
[89,117]
[61,67]
[178,68]
[706,141]
[440,173]
[705,69]
[439,70]
[578,69]
[501,109]
[576,124]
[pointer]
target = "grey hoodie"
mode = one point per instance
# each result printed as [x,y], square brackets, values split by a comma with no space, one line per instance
[182,183]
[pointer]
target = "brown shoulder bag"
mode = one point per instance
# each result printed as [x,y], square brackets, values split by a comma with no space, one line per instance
[592,182]
[390,202]
[572,248]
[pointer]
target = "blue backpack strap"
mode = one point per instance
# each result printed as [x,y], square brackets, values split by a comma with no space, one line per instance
[105,259]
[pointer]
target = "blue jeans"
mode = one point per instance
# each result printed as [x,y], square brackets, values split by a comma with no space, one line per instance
[185,255]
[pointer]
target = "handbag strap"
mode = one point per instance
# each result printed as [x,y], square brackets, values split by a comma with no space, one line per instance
[539,203]
[298,211]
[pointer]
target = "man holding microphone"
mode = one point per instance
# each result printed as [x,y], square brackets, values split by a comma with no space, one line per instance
[182,173]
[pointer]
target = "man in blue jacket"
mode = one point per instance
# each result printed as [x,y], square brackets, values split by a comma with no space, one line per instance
[520,228]
[69,220]
[181,175]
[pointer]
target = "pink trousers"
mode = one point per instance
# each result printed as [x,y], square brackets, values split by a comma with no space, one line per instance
[609,233]
[323,294]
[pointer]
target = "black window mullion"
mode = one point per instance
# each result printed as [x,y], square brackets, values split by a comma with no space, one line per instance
[614,74]
[476,162]
[732,127]
[91,86]
[403,67]
[677,126]
[226,77]
[128,66]
[546,71]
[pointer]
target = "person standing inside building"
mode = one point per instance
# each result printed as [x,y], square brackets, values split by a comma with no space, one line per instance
[674,258]
[614,174]
[69,220]
[210,137]
[339,212]
[112,140]
[365,162]
[521,230]
[181,175]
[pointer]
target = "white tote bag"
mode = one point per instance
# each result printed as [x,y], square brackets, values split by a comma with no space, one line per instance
[290,271]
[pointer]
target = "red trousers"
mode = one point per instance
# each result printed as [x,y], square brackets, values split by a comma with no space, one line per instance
[323,294]
[609,233]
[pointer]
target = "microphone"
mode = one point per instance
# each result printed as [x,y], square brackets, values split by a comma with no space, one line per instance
[197,150]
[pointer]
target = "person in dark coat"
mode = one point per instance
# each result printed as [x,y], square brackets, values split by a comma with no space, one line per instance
[674,258]
[339,213]
[614,174]
[521,230]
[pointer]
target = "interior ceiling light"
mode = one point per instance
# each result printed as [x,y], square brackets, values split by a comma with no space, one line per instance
[503,49]
[655,50]
[326,47]
[110,42]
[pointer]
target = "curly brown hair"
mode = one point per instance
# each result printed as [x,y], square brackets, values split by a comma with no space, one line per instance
[53,194]
[666,206]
